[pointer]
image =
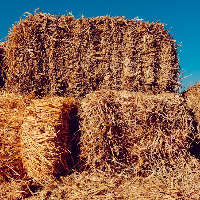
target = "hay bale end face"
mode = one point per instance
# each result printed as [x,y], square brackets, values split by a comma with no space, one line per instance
[65,56]
[12,108]
[133,131]
[45,139]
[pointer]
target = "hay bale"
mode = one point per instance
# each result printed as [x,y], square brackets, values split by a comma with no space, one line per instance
[11,117]
[45,138]
[65,56]
[133,131]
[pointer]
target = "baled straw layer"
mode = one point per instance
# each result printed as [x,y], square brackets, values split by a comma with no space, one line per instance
[45,139]
[61,55]
[11,117]
[133,131]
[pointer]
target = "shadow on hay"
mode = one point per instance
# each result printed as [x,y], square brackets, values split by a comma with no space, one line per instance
[70,159]
[2,73]
[2,78]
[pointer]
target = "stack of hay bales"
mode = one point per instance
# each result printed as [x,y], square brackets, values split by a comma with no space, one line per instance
[11,117]
[45,138]
[66,56]
[134,131]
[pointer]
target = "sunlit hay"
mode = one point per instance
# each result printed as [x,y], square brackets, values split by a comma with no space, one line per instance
[133,131]
[62,55]
[182,183]
[45,139]
[15,190]
[11,117]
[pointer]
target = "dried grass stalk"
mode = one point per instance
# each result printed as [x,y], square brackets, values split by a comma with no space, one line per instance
[45,139]
[11,117]
[66,56]
[133,131]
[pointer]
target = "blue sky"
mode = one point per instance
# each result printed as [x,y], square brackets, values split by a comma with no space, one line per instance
[181,16]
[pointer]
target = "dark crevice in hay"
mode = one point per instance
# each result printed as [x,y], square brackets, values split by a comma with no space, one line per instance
[75,135]
[70,158]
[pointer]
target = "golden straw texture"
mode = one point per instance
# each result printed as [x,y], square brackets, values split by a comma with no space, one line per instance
[182,183]
[45,139]
[11,117]
[133,131]
[62,55]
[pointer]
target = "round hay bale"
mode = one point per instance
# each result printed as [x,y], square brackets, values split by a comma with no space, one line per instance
[66,56]
[11,118]
[45,138]
[133,131]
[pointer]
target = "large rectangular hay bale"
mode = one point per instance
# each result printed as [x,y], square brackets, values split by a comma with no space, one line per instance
[133,131]
[67,56]
[45,138]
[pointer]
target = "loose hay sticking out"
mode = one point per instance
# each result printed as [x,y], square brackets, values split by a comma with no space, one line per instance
[66,56]
[133,131]
[11,117]
[45,138]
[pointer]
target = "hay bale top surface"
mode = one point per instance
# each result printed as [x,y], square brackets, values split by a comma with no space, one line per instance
[66,56]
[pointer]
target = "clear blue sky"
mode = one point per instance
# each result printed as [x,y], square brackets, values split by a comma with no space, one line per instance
[182,15]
